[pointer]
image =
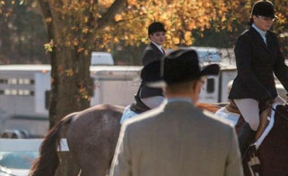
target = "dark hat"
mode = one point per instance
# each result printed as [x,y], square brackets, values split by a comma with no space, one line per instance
[156,27]
[263,8]
[179,66]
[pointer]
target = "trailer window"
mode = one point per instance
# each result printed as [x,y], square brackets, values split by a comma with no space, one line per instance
[20,92]
[17,81]
[210,87]
[3,81]
[12,81]
[24,81]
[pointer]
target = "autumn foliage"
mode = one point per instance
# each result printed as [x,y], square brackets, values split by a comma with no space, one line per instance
[85,26]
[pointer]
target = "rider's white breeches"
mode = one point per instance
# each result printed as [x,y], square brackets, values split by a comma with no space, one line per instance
[153,102]
[249,109]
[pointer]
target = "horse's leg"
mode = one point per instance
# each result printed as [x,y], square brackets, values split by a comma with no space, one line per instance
[48,161]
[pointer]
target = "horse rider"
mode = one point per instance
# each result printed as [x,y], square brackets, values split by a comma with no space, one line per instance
[146,97]
[258,57]
[153,97]
[150,74]
[177,138]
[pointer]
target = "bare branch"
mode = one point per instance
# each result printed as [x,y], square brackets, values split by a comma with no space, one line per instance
[46,13]
[108,17]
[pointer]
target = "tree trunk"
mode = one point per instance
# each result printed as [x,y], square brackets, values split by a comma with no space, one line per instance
[70,75]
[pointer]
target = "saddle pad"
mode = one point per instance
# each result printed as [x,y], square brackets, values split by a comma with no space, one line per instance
[127,114]
[226,115]
[267,129]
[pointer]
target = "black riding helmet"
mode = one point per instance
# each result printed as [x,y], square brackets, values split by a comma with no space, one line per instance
[263,8]
[156,27]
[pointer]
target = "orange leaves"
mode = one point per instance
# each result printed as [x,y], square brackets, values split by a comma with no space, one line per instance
[48,20]
[79,20]
[84,93]
[80,50]
[176,40]
[69,72]
[75,42]
[132,2]
[281,18]
[86,19]
[118,17]
[49,46]
[105,3]
[85,30]
[188,37]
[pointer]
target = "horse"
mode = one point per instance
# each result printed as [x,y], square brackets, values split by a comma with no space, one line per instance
[273,153]
[92,136]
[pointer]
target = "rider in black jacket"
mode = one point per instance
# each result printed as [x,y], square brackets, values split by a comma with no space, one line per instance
[258,57]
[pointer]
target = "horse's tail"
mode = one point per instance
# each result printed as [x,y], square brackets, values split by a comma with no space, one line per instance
[48,160]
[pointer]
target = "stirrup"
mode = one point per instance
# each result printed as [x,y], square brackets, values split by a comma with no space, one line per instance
[254,162]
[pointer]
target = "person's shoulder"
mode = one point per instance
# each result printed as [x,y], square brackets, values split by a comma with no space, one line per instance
[149,50]
[245,34]
[149,47]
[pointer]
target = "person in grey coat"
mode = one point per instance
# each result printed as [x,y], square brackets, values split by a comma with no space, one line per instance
[176,138]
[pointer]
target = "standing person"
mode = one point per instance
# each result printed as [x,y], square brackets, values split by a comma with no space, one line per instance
[177,138]
[258,56]
[153,97]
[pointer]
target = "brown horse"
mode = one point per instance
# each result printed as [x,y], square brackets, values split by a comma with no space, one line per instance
[92,136]
[273,153]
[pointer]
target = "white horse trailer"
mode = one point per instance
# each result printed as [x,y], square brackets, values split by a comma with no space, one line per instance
[215,89]
[23,88]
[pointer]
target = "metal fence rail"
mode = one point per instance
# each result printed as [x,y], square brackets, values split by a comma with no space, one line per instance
[8,145]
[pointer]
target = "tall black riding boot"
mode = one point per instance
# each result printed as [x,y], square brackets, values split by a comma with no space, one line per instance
[246,137]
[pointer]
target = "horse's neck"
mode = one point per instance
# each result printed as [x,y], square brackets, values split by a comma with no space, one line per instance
[209,107]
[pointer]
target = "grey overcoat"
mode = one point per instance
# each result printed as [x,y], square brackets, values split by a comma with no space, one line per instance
[176,139]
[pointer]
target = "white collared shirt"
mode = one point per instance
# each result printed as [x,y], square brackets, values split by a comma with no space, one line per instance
[179,99]
[262,33]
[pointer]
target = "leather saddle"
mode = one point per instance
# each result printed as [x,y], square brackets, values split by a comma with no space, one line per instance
[232,107]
